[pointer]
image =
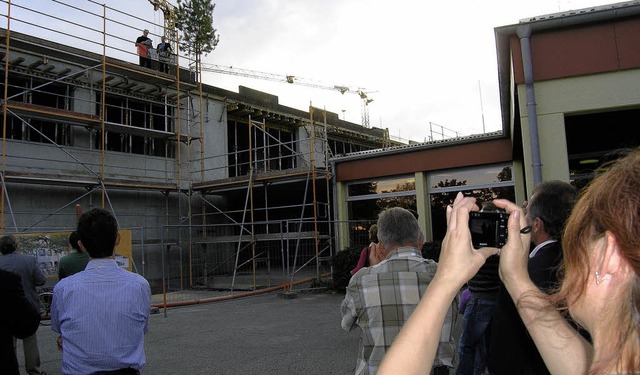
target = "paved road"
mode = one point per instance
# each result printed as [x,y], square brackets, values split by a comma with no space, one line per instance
[264,334]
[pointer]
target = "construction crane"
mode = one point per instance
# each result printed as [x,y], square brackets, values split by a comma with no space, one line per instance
[169,16]
[365,107]
[292,79]
[168,12]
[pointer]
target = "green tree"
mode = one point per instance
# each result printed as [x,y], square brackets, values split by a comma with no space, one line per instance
[505,174]
[194,18]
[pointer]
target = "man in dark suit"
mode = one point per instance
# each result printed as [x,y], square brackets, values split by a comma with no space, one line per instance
[30,276]
[18,318]
[511,350]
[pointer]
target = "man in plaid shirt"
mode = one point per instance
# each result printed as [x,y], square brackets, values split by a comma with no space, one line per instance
[381,298]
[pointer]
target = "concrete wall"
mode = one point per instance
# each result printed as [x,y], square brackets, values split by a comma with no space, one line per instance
[40,208]
[210,147]
[47,207]
[47,159]
[304,148]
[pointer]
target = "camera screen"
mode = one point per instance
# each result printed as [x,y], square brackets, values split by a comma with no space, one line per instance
[483,231]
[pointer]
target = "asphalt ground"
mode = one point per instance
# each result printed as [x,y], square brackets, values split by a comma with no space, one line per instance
[261,334]
[264,334]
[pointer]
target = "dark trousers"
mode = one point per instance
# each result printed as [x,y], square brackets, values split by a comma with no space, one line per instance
[145,62]
[474,340]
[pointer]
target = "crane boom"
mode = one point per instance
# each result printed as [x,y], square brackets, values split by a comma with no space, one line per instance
[278,78]
[168,12]
[294,80]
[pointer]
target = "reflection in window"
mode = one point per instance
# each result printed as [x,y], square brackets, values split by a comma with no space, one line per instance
[363,213]
[485,183]
[385,186]
[476,176]
[440,201]
[367,199]
[370,209]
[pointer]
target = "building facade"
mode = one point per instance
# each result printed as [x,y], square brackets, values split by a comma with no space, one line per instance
[570,101]
[568,87]
[219,189]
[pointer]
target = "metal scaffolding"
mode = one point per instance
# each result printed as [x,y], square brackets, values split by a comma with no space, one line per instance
[249,210]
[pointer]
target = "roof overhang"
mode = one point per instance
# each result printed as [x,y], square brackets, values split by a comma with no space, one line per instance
[503,35]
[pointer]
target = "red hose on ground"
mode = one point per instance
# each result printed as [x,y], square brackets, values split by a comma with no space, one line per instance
[234,296]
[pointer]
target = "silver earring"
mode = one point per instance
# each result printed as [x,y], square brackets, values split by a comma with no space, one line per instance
[604,278]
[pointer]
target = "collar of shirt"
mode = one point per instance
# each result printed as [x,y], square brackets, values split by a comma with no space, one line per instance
[402,252]
[540,246]
[101,262]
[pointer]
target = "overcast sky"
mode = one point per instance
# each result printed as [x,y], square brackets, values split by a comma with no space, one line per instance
[422,62]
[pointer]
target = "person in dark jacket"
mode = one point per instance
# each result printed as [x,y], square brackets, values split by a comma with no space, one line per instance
[164,54]
[474,341]
[30,276]
[18,318]
[512,351]
[143,44]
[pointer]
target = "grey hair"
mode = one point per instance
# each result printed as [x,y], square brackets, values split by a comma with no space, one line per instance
[397,226]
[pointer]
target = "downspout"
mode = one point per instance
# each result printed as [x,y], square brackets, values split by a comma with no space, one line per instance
[524,33]
[336,223]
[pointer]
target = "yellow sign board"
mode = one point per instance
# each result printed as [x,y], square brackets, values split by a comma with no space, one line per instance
[48,248]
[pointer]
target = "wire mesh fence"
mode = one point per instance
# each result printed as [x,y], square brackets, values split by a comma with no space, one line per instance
[194,263]
[234,258]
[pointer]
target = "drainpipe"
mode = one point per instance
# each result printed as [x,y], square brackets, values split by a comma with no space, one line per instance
[336,223]
[524,33]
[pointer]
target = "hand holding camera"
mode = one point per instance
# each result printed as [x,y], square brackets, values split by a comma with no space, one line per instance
[514,255]
[488,229]
[459,261]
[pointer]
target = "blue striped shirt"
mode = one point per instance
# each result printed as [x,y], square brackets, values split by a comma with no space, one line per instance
[102,314]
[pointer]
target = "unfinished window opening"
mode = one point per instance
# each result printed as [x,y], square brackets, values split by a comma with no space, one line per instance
[53,95]
[161,118]
[338,147]
[273,148]
[238,144]
[114,109]
[285,152]
[139,114]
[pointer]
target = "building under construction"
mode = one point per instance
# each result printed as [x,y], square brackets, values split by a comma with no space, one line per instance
[219,189]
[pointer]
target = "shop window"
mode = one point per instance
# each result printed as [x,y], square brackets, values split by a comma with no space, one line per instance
[484,183]
[366,199]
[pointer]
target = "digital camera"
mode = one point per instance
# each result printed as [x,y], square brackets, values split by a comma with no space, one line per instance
[488,229]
